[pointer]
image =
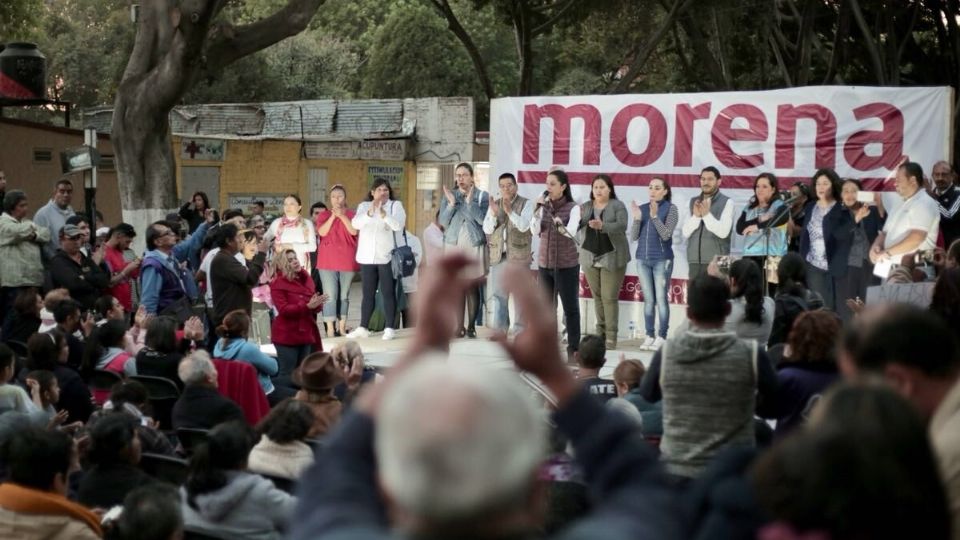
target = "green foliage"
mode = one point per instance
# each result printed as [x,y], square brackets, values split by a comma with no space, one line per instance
[18,19]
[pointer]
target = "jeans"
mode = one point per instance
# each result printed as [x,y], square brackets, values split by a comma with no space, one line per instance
[568,287]
[605,285]
[288,359]
[499,300]
[821,282]
[655,281]
[336,284]
[374,276]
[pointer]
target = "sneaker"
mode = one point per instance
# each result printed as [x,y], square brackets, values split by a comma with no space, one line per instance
[359,332]
[657,343]
[647,343]
[388,334]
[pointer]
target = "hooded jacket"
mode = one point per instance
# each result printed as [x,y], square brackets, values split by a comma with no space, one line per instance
[245,351]
[249,507]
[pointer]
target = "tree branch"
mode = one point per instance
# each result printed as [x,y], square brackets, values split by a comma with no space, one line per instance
[443,7]
[643,55]
[869,41]
[780,62]
[557,15]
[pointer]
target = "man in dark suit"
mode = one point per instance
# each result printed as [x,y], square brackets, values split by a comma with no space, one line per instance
[201,406]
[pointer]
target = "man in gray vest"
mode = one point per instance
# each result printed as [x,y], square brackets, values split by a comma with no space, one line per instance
[710,382]
[507,225]
[707,230]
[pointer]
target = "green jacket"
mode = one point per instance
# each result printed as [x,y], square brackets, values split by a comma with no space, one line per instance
[20,244]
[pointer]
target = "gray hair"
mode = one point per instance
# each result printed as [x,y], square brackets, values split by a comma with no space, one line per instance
[196,368]
[457,442]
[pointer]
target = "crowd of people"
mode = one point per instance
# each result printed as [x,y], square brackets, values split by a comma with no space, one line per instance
[778,378]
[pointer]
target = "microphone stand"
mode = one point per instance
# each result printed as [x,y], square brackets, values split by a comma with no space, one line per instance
[766,244]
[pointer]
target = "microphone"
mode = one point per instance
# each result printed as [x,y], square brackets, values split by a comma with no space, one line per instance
[545,196]
[790,200]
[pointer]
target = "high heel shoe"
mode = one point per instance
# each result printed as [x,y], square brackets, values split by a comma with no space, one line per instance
[472,333]
[462,332]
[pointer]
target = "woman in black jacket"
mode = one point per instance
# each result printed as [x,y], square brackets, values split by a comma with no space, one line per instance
[49,351]
[868,221]
[826,238]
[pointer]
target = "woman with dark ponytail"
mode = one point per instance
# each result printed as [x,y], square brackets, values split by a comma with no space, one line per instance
[221,498]
[751,313]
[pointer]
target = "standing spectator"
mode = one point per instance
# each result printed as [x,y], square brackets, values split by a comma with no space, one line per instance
[653,226]
[33,500]
[233,345]
[947,195]
[707,230]
[294,329]
[461,213]
[233,282]
[337,259]
[604,253]
[24,319]
[868,220]
[591,355]
[793,297]
[194,212]
[808,368]
[20,250]
[49,351]
[80,222]
[232,217]
[163,288]
[200,405]
[507,225]
[763,223]
[710,382]
[115,451]
[283,451]
[377,219]
[912,226]
[433,239]
[916,352]
[555,222]
[221,498]
[122,272]
[293,231]
[53,215]
[257,209]
[81,275]
[826,238]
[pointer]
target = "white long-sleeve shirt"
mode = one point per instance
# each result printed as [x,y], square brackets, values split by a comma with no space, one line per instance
[375,240]
[520,221]
[719,227]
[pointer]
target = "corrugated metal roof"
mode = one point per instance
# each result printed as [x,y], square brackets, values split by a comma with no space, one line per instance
[369,116]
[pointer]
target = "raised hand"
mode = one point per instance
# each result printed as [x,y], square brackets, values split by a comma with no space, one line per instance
[635,209]
[494,207]
[653,207]
[451,200]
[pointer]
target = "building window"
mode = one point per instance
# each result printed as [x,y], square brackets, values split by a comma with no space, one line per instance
[43,155]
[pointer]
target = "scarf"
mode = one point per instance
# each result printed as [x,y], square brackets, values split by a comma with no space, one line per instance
[24,500]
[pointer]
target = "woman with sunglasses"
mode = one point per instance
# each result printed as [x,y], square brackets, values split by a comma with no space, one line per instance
[337,259]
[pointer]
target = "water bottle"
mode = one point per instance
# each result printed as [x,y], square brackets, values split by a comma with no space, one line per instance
[633,330]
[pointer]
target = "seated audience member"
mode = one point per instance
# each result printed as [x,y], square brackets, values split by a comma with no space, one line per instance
[808,368]
[793,297]
[916,352]
[456,448]
[109,308]
[46,391]
[33,502]
[282,450]
[945,301]
[24,320]
[953,255]
[590,357]
[864,469]
[149,513]
[12,396]
[317,376]
[74,326]
[104,349]
[54,297]
[710,382]
[233,345]
[200,405]
[114,457]
[131,398]
[49,351]
[160,355]
[627,377]
[222,499]
[349,356]
[751,313]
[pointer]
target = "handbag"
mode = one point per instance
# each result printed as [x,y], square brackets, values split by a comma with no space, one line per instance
[402,260]
[181,309]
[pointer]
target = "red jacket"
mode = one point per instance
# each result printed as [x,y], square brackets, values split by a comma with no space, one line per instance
[295,324]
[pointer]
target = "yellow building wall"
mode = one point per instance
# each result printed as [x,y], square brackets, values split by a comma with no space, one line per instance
[267,166]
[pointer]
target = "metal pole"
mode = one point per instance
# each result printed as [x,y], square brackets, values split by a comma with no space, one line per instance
[90,183]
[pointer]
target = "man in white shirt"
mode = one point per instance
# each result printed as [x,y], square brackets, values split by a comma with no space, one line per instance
[54,214]
[707,230]
[912,226]
[507,226]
